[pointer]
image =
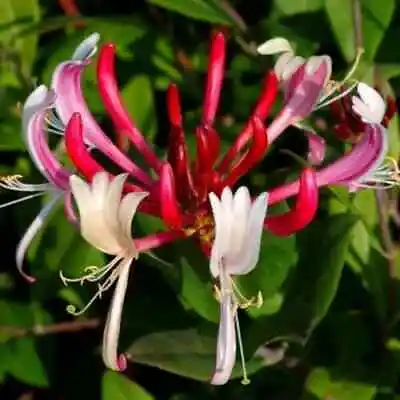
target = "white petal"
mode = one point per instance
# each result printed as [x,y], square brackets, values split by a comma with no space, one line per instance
[112,204]
[292,66]
[226,343]
[274,46]
[240,219]
[281,64]
[100,184]
[373,101]
[87,48]
[81,192]
[127,211]
[220,239]
[246,261]
[112,328]
[93,225]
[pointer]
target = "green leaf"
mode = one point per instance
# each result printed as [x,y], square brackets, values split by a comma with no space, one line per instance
[187,353]
[26,363]
[313,284]
[322,385]
[340,15]
[376,17]
[204,10]
[278,255]
[139,98]
[196,291]
[388,70]
[116,386]
[323,247]
[14,11]
[293,7]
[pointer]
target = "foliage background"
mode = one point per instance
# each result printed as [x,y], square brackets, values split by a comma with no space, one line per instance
[329,327]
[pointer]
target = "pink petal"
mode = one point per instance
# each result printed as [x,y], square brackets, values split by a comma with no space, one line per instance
[67,85]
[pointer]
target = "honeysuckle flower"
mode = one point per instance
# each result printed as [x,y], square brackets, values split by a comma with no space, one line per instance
[105,218]
[235,251]
[34,116]
[306,83]
[364,166]
[177,190]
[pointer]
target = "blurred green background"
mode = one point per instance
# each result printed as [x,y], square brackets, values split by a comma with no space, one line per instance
[329,326]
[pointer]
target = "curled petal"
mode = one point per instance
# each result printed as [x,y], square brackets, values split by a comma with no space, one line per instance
[67,85]
[360,162]
[261,110]
[253,156]
[34,115]
[226,343]
[87,49]
[113,323]
[36,225]
[304,210]
[113,103]
[275,46]
[215,77]
[369,106]
[170,210]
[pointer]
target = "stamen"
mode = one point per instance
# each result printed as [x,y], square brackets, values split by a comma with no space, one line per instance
[245,380]
[55,125]
[31,196]
[94,274]
[12,182]
[102,288]
[244,303]
[323,103]
[350,73]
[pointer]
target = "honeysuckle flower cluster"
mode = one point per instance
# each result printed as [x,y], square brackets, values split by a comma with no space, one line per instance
[195,198]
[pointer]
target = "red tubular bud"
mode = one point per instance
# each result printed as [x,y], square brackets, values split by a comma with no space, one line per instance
[261,110]
[304,210]
[170,210]
[254,154]
[215,76]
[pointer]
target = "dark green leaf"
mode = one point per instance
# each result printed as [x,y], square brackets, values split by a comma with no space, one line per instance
[116,386]
[188,353]
[139,99]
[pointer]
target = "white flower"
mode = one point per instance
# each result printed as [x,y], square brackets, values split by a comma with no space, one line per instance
[105,222]
[238,228]
[369,105]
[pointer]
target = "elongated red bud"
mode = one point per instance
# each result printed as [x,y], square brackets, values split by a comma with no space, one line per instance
[170,210]
[109,92]
[253,155]
[262,109]
[77,151]
[177,150]
[80,155]
[304,210]
[215,76]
